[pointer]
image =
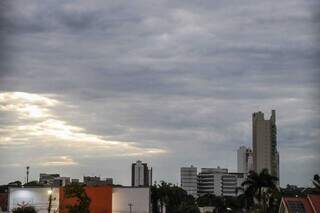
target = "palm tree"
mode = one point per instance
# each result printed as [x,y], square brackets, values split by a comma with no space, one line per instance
[173,198]
[256,186]
[316,181]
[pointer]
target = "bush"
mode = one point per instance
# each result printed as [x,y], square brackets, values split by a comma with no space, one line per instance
[27,209]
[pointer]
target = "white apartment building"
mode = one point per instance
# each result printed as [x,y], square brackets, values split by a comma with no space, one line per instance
[188,180]
[219,182]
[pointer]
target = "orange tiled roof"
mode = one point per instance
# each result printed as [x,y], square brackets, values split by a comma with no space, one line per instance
[291,202]
[315,202]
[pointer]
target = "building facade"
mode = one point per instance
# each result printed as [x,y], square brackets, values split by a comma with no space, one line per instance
[48,179]
[244,160]
[61,181]
[188,178]
[37,197]
[264,143]
[141,175]
[131,199]
[105,199]
[219,181]
[97,181]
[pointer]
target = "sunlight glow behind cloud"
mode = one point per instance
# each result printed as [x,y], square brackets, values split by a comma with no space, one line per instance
[38,124]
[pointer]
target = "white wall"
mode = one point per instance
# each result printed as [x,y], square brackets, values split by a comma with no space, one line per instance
[139,197]
[36,197]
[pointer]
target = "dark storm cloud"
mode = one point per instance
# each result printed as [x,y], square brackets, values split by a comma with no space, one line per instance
[169,74]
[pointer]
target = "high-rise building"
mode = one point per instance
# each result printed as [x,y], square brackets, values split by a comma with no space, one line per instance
[141,175]
[244,159]
[264,143]
[188,177]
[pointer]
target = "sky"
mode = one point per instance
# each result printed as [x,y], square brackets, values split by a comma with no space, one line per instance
[89,87]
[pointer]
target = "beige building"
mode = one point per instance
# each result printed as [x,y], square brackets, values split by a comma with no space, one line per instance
[264,142]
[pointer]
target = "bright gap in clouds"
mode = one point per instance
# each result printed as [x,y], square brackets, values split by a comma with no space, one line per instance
[36,124]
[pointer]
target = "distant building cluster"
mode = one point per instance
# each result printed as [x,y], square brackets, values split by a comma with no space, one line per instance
[219,181]
[136,198]
[103,194]
[55,180]
[106,199]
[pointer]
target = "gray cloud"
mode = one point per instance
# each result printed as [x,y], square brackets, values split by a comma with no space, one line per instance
[176,75]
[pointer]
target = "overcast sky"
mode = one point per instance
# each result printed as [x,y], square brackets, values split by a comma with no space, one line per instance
[88,87]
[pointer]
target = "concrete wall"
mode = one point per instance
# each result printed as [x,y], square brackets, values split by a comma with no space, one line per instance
[139,197]
[100,196]
[36,197]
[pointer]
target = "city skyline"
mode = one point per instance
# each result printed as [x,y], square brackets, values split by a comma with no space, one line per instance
[87,89]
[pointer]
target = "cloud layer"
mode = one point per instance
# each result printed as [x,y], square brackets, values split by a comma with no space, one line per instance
[171,82]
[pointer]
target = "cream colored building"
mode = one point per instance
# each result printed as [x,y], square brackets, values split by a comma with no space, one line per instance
[264,142]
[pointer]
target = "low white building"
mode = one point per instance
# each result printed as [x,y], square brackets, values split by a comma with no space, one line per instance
[37,197]
[131,199]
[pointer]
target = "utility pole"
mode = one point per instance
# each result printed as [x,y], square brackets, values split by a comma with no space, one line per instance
[130,207]
[28,167]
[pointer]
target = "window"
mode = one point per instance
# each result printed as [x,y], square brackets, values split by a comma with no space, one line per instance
[296,207]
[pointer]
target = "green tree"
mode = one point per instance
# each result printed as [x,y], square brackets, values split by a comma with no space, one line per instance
[24,209]
[259,188]
[15,183]
[33,183]
[173,198]
[77,190]
[316,181]
[206,200]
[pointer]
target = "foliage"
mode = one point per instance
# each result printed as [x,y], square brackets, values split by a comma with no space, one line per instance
[222,204]
[15,183]
[33,183]
[26,209]
[261,192]
[316,181]
[173,198]
[76,190]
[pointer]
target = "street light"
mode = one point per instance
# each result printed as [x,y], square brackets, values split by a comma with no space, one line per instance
[50,200]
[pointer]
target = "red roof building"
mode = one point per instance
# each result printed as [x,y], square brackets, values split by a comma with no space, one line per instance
[309,204]
[3,201]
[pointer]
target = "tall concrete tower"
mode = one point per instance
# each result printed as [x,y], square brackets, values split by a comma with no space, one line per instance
[264,143]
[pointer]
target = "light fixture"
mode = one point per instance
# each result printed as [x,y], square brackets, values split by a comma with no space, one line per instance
[49,192]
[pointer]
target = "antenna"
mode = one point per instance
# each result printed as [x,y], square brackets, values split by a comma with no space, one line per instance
[28,167]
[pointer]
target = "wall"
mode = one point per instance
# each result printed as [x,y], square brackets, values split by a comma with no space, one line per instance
[37,197]
[101,199]
[3,201]
[139,197]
